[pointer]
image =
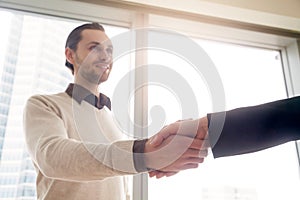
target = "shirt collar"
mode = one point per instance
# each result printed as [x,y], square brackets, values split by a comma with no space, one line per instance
[80,94]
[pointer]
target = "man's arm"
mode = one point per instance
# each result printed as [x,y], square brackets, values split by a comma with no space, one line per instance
[59,157]
[250,129]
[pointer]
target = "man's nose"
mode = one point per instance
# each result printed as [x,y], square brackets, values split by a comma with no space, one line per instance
[105,56]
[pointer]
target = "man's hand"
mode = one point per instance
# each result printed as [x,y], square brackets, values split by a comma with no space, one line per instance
[176,153]
[188,140]
[190,128]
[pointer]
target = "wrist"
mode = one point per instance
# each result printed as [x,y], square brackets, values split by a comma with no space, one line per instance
[204,123]
[147,155]
[139,155]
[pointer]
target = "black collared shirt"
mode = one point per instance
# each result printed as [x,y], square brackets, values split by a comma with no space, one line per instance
[80,94]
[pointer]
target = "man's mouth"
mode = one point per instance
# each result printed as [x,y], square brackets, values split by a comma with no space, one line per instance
[102,66]
[105,67]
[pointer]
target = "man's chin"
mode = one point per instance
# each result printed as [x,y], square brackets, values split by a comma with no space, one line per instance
[103,79]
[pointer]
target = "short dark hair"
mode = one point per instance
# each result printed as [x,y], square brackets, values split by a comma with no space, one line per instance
[75,37]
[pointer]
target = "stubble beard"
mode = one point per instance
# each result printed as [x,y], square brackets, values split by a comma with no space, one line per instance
[87,72]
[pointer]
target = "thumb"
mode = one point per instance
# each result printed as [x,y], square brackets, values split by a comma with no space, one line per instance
[164,133]
[156,140]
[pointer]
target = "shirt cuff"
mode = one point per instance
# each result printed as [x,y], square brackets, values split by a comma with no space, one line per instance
[138,155]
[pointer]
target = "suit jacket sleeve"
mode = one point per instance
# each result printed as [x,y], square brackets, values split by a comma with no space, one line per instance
[250,129]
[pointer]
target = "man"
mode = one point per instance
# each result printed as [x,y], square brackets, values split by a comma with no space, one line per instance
[248,129]
[74,144]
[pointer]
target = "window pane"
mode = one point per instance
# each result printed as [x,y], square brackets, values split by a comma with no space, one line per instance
[250,76]
[31,61]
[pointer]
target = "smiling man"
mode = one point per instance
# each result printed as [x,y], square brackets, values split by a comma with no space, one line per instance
[92,57]
[76,148]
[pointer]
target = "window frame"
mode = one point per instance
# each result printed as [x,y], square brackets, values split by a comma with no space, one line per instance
[131,15]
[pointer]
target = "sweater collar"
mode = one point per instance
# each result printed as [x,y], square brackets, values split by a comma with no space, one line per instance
[80,94]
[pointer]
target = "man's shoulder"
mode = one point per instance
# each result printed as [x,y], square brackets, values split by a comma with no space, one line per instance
[47,99]
[49,96]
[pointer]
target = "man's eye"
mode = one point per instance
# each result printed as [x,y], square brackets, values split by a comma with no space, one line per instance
[92,47]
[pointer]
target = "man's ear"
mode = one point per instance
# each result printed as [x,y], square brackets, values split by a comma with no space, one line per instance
[69,55]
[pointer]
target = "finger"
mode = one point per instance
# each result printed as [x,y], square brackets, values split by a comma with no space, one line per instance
[152,174]
[156,140]
[183,164]
[200,144]
[193,160]
[181,127]
[206,144]
[168,174]
[163,134]
[155,173]
[203,128]
[189,166]
[186,142]
[188,128]
[201,133]
[189,154]
[196,153]
[160,175]
[203,153]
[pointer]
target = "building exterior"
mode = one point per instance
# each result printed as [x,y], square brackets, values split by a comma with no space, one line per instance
[33,63]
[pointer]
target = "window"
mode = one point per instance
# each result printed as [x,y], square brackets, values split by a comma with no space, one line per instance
[32,61]
[239,52]
[250,76]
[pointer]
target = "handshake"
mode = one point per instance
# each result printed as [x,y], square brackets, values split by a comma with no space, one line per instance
[178,146]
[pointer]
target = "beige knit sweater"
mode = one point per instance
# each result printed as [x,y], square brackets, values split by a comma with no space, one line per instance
[76,150]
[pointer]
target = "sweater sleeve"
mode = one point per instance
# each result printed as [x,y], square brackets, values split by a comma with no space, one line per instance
[250,129]
[59,157]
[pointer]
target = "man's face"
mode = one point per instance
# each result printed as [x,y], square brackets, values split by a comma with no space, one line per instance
[93,57]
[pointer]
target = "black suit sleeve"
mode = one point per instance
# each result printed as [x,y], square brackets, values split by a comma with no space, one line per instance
[250,129]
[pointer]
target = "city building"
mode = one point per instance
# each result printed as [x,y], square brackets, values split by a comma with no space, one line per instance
[33,63]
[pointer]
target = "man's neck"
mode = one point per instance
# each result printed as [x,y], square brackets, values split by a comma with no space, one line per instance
[93,88]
